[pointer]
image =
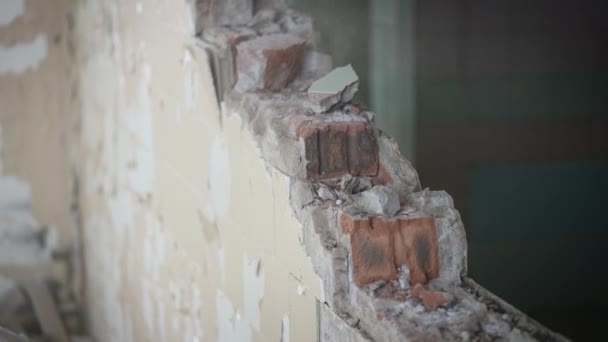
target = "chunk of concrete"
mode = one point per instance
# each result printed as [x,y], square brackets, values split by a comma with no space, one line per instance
[379,200]
[339,86]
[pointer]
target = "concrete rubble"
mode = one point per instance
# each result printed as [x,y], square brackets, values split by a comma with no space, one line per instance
[391,256]
[337,87]
[36,303]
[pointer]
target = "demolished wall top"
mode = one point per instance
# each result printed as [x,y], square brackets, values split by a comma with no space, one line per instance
[392,256]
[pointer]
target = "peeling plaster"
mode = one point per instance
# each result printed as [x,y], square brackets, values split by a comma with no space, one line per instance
[221,261]
[219,175]
[229,324]
[253,289]
[285,328]
[10,10]
[15,193]
[20,57]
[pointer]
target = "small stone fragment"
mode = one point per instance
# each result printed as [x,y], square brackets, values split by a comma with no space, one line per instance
[339,86]
[345,182]
[430,299]
[326,193]
[380,200]
[269,62]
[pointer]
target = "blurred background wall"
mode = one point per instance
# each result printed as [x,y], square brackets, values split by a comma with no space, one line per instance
[38,105]
[502,104]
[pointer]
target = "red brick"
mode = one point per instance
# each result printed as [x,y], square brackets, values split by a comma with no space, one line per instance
[335,149]
[416,246]
[380,245]
[269,62]
[430,299]
[372,249]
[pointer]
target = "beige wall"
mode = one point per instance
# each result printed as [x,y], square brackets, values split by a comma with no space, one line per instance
[38,103]
[188,235]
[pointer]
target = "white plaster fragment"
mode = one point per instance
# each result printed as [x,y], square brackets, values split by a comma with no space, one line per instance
[301,289]
[20,57]
[10,10]
[253,288]
[219,173]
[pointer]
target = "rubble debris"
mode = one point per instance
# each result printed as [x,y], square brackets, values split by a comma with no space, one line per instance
[430,299]
[383,237]
[46,311]
[339,86]
[33,274]
[268,62]
[379,200]
[326,194]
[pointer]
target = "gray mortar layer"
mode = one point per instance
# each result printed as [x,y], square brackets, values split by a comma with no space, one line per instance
[350,313]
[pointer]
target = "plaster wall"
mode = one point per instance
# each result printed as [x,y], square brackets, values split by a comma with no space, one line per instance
[38,97]
[188,235]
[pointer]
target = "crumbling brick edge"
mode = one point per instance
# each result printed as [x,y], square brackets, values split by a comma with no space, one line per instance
[373,234]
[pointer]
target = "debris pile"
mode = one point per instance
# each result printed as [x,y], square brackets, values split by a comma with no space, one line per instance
[36,303]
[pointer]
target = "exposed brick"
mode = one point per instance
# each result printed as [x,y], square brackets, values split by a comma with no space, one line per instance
[380,245]
[430,299]
[372,249]
[334,149]
[416,247]
[269,62]
[383,177]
